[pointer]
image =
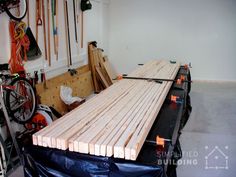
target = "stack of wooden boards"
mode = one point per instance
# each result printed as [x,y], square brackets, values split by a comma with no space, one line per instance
[102,73]
[81,84]
[116,121]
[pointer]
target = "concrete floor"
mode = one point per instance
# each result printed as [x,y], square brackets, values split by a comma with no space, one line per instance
[212,126]
[17,173]
[210,132]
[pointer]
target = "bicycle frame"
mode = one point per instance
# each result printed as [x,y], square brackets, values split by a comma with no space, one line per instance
[18,92]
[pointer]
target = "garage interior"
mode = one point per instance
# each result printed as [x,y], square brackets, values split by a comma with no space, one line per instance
[117,88]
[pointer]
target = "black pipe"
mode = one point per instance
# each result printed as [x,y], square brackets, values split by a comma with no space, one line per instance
[153,79]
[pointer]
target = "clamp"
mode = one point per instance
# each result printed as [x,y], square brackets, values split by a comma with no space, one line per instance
[175,99]
[159,141]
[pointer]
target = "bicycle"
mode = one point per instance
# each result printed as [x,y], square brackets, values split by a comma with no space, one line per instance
[15,9]
[18,95]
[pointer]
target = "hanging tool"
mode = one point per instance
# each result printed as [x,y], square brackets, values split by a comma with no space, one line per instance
[56,29]
[82,30]
[67,26]
[44,31]
[53,11]
[75,24]
[36,77]
[41,75]
[49,37]
[77,10]
[28,15]
[43,78]
[30,78]
[38,17]
[53,22]
[85,5]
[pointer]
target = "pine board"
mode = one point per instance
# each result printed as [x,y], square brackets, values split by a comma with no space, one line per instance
[116,121]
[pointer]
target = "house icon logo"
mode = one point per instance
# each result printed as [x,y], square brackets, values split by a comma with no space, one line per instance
[216,159]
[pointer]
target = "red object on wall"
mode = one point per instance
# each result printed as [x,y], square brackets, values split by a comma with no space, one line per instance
[19,46]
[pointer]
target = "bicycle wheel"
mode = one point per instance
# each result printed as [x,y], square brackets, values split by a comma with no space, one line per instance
[17,12]
[21,100]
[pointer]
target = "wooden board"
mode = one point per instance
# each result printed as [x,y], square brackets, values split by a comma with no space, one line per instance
[102,77]
[97,64]
[110,71]
[92,65]
[103,69]
[115,122]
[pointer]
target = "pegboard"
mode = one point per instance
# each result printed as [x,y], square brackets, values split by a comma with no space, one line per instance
[81,84]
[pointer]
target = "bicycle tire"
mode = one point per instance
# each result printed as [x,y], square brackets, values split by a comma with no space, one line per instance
[16,17]
[19,114]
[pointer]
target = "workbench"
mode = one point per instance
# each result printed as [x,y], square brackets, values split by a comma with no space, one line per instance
[151,161]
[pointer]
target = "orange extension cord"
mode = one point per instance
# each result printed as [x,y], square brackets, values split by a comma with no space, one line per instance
[19,46]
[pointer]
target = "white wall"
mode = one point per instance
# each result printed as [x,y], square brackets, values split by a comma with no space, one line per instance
[198,31]
[95,28]
[202,32]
